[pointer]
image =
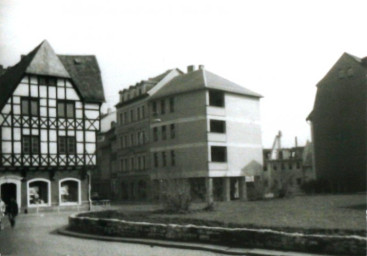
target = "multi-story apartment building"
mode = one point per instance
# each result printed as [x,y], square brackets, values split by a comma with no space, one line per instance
[104,178]
[196,126]
[50,113]
[338,126]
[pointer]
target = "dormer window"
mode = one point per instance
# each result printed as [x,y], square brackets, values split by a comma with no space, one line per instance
[44,80]
[30,107]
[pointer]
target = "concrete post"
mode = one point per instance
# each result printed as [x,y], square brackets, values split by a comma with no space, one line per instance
[209,190]
[226,196]
[242,188]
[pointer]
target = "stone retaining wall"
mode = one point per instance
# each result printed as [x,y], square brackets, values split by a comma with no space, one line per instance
[237,237]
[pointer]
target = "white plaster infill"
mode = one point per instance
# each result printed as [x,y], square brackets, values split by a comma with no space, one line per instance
[291,234]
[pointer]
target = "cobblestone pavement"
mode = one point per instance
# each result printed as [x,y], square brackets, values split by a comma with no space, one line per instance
[36,235]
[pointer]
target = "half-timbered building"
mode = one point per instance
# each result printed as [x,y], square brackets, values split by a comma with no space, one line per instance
[50,114]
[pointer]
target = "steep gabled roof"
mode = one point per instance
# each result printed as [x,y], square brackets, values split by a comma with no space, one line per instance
[201,79]
[13,75]
[329,82]
[43,61]
[85,73]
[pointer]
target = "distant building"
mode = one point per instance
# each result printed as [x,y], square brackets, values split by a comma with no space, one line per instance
[287,168]
[50,110]
[105,174]
[196,126]
[338,123]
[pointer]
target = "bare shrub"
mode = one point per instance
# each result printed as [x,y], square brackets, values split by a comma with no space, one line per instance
[175,195]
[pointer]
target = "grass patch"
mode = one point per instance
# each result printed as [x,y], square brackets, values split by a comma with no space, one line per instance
[326,214]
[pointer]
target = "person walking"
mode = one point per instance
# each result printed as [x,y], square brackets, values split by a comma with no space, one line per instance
[2,213]
[12,211]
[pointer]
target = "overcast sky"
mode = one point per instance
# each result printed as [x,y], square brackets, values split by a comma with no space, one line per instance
[279,49]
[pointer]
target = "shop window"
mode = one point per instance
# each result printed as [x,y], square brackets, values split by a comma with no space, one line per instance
[39,192]
[30,107]
[69,191]
[219,154]
[216,98]
[217,126]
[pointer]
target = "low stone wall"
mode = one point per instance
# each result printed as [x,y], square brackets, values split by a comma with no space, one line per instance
[237,237]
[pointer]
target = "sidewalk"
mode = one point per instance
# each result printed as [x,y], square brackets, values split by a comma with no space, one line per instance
[188,245]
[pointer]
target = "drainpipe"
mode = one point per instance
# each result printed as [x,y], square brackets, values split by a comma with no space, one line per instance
[89,190]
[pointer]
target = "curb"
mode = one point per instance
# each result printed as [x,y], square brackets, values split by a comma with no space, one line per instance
[186,245]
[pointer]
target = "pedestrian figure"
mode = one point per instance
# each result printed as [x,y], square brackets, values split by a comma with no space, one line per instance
[12,211]
[2,213]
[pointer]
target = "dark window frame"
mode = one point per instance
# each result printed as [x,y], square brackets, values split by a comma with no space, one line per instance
[30,139]
[171,105]
[216,98]
[68,140]
[29,101]
[65,108]
[48,80]
[172,131]
[217,126]
[216,154]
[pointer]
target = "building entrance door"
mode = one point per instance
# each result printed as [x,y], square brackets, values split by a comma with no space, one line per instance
[8,191]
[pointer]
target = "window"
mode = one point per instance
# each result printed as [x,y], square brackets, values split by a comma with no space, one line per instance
[216,98]
[125,117]
[156,164]
[38,192]
[164,134]
[173,158]
[132,163]
[30,144]
[163,107]
[217,126]
[171,105]
[125,141]
[298,165]
[164,160]
[172,131]
[143,164]
[142,112]
[219,154]
[299,181]
[43,80]
[290,166]
[155,134]
[69,191]
[132,115]
[121,119]
[154,107]
[126,164]
[122,165]
[65,109]
[138,110]
[274,167]
[282,166]
[132,141]
[67,145]
[30,107]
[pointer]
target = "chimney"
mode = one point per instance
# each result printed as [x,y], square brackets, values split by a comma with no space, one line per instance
[201,67]
[190,68]
[295,142]
[109,110]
